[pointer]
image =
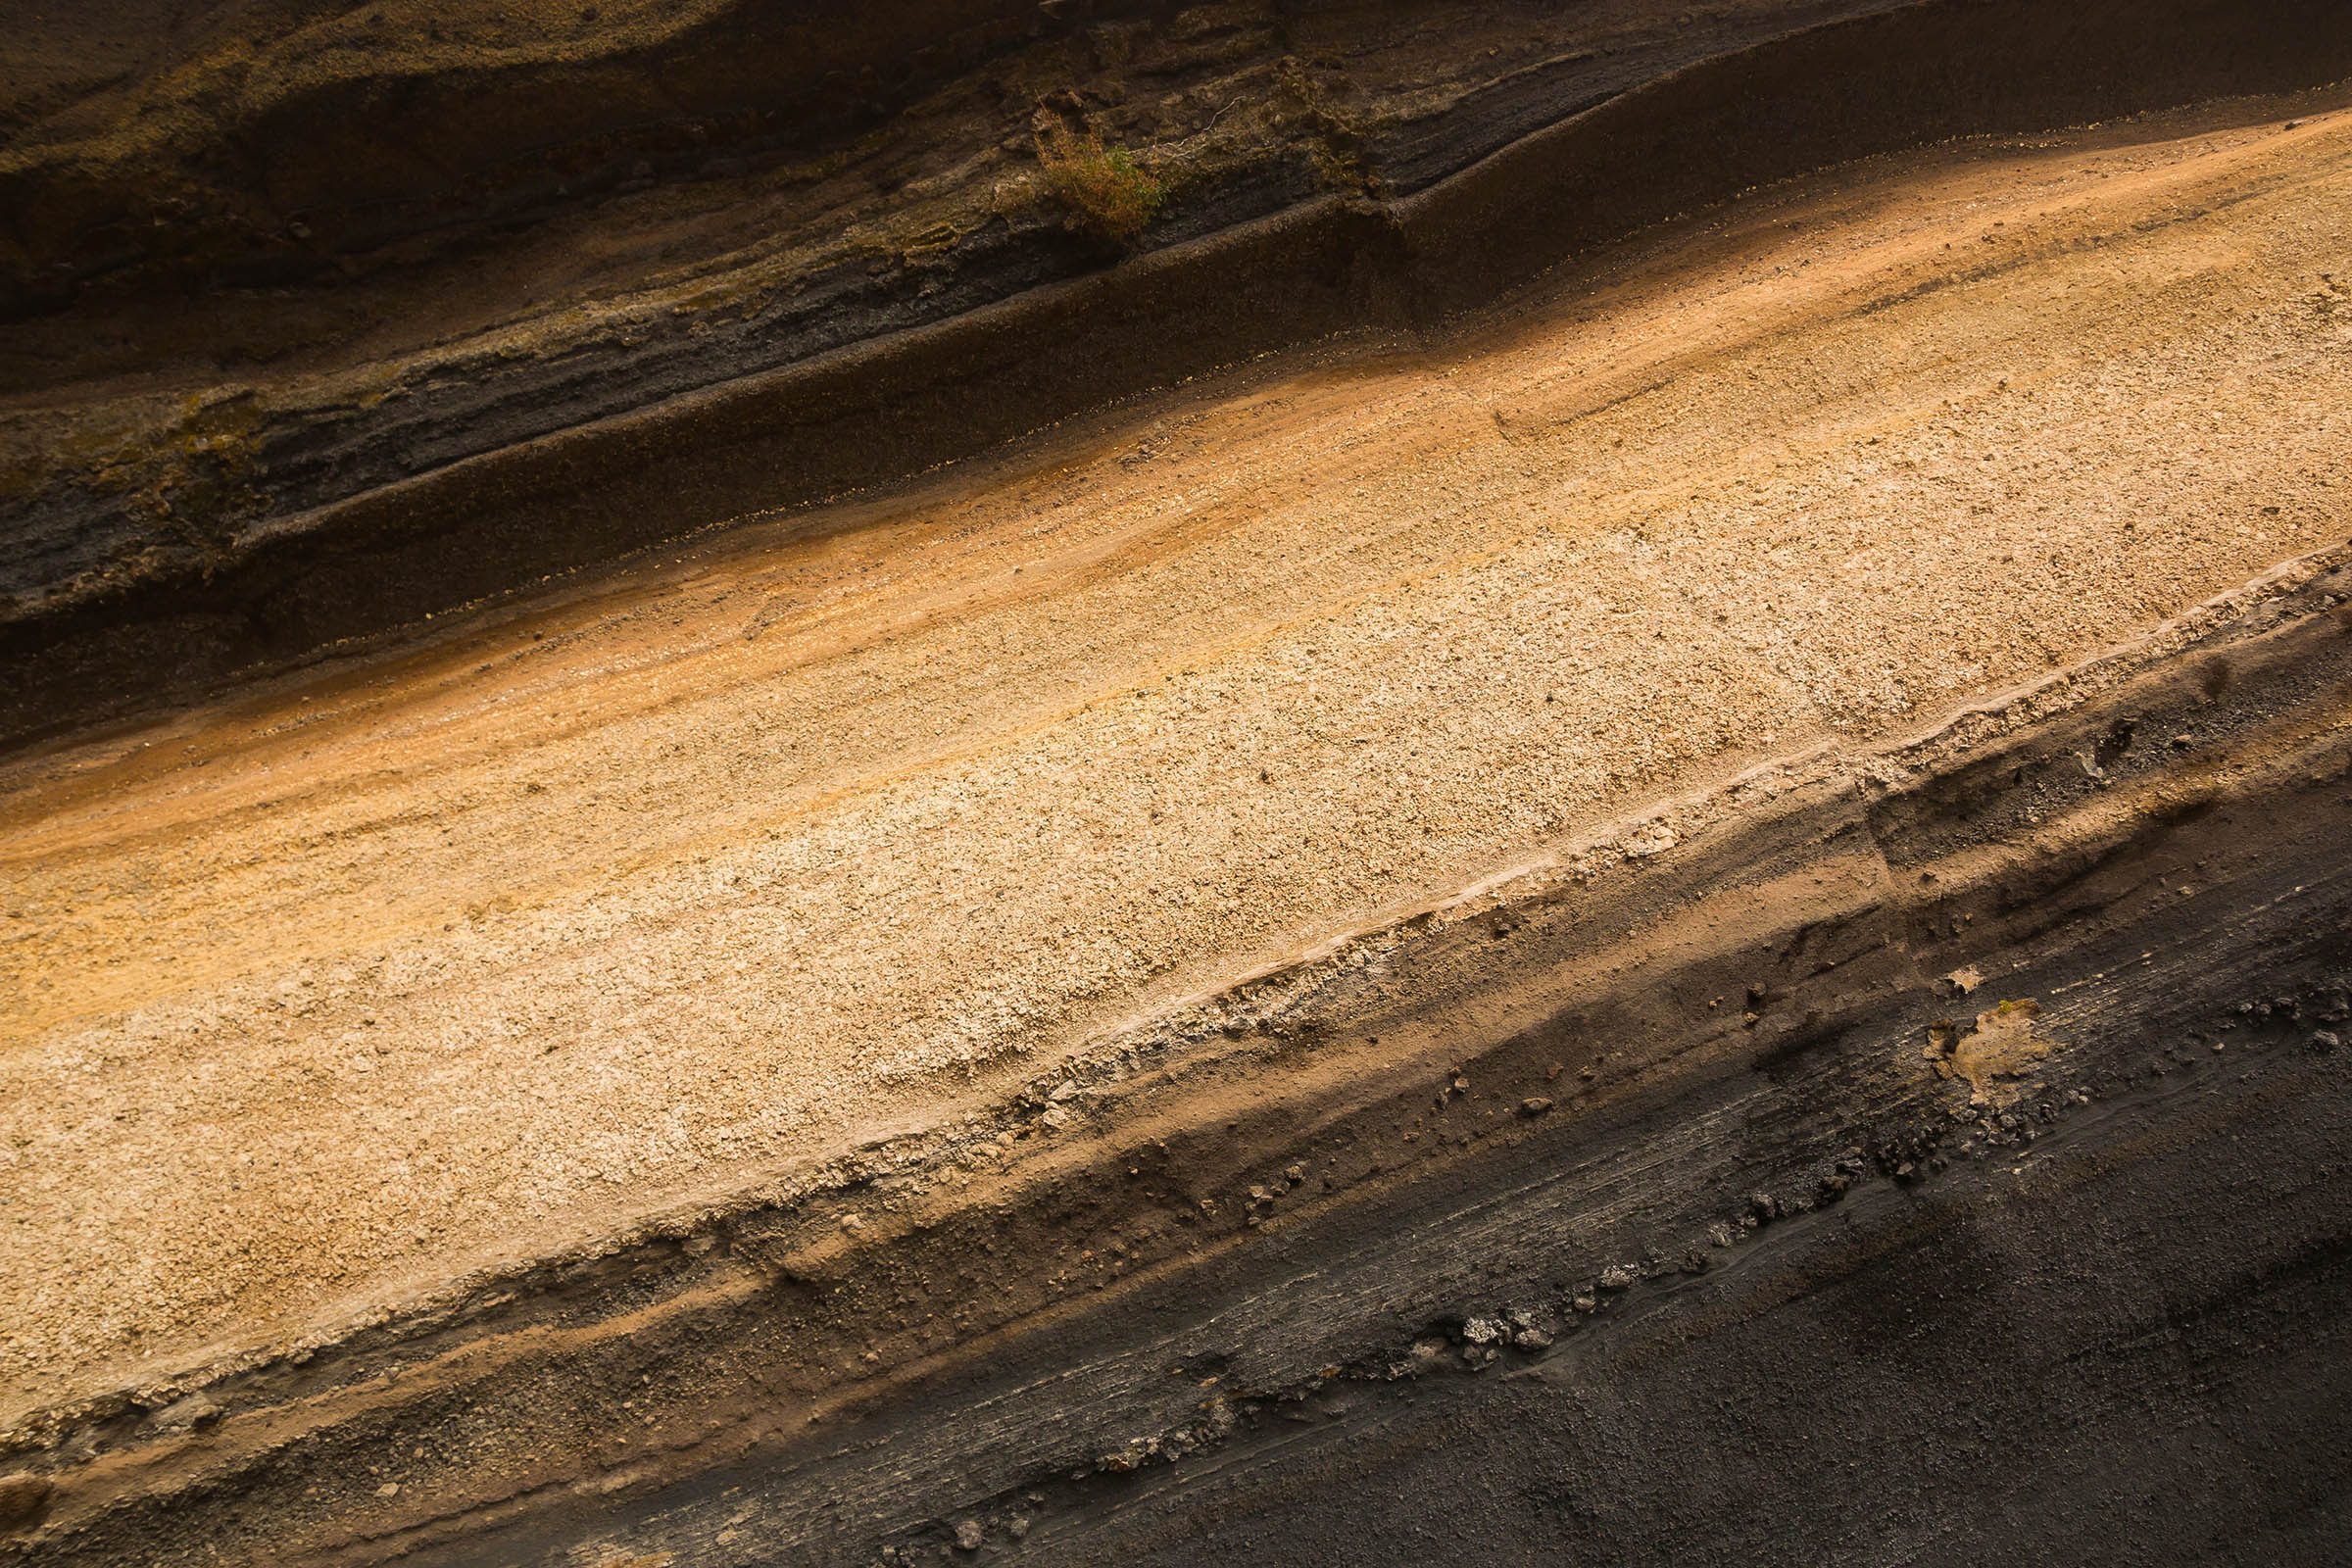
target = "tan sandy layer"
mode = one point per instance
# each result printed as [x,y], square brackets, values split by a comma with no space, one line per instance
[457,956]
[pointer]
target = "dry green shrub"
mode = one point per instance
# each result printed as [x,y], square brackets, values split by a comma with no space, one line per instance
[1107,192]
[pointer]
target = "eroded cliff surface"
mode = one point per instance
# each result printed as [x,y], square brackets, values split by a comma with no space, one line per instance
[1660,863]
[334,318]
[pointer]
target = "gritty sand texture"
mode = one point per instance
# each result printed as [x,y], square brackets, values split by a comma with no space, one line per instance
[314,1000]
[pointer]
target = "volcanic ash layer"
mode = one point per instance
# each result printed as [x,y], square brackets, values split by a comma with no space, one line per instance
[1947,1138]
[492,291]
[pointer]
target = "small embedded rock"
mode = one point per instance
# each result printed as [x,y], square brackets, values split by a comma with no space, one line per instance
[1534,1105]
[1619,1277]
[22,1499]
[968,1536]
[193,1412]
[1484,1331]
[1425,1354]
[2325,1040]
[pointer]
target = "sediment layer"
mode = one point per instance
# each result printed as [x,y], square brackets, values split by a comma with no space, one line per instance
[889,300]
[1471,941]
[1606,1151]
[445,962]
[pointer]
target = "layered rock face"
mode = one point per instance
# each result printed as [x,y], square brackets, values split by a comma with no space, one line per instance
[1263,784]
[325,318]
